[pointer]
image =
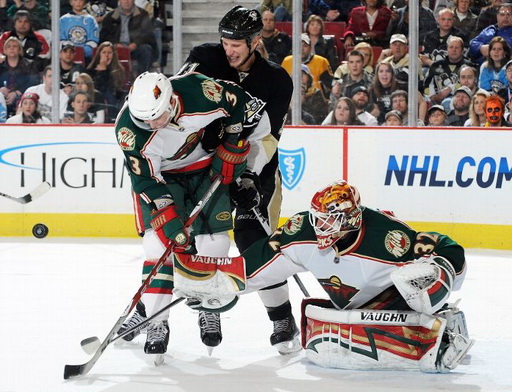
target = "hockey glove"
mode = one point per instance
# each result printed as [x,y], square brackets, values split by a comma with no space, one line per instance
[245,192]
[230,161]
[168,226]
[425,284]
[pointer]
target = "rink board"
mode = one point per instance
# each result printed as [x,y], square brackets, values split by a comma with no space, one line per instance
[453,180]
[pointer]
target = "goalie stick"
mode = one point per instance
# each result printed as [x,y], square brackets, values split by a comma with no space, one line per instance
[80,370]
[40,190]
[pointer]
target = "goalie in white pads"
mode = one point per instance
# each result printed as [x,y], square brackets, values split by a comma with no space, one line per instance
[387,285]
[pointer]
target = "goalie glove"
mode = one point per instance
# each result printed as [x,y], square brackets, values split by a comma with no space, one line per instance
[230,161]
[426,284]
[245,192]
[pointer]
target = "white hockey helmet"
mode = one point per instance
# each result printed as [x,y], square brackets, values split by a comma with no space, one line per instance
[334,211]
[150,96]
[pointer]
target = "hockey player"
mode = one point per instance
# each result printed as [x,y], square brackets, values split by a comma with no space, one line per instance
[159,130]
[387,284]
[236,59]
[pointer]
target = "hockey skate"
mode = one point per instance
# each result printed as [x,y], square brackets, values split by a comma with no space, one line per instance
[137,317]
[284,337]
[211,334]
[157,340]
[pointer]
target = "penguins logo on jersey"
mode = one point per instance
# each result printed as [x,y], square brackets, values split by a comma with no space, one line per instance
[397,243]
[212,90]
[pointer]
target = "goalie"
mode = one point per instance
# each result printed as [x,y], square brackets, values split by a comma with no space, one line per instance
[387,285]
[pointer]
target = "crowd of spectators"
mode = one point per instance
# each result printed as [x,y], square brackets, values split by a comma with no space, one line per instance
[94,35]
[464,60]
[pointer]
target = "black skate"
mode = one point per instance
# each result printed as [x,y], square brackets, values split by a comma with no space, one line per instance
[209,325]
[158,338]
[284,337]
[137,317]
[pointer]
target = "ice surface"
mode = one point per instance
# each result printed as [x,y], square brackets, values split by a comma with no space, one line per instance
[54,293]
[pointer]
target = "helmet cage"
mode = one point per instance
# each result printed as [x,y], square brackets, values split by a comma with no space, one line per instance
[334,211]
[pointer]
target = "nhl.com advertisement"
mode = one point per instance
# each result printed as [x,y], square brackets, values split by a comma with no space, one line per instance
[452,176]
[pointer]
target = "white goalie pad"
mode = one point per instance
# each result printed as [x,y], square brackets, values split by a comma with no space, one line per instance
[381,340]
[210,283]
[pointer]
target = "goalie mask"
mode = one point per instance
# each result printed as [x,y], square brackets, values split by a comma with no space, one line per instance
[150,97]
[335,210]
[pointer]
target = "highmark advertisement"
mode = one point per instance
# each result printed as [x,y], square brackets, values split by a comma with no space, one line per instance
[458,181]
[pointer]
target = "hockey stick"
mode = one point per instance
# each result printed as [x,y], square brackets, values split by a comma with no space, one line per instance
[40,190]
[268,230]
[80,370]
[90,345]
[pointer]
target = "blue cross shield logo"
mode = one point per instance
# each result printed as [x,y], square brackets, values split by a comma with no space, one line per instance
[292,164]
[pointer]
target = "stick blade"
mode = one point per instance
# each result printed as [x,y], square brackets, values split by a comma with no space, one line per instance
[71,371]
[38,192]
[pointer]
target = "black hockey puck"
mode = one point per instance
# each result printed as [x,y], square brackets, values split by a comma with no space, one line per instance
[40,230]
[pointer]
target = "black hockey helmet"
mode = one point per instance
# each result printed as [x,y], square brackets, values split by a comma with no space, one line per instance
[241,23]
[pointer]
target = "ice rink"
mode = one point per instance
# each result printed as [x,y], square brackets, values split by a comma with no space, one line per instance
[54,293]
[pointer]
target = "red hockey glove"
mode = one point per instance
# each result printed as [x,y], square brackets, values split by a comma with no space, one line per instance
[230,161]
[169,227]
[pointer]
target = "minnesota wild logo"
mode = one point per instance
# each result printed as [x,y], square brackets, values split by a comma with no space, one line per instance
[190,145]
[212,90]
[338,291]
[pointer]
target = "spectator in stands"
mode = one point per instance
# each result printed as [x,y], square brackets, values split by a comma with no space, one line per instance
[28,111]
[16,74]
[320,45]
[131,26]
[479,46]
[383,86]
[399,23]
[278,44]
[69,70]
[80,103]
[35,47]
[38,13]
[461,102]
[437,116]
[3,109]
[99,8]
[397,55]
[477,109]
[80,28]
[435,41]
[495,111]
[108,76]
[443,75]
[465,19]
[96,108]
[281,9]
[355,77]
[44,91]
[492,72]
[339,10]
[344,113]
[506,92]
[368,23]
[468,76]
[313,100]
[488,15]
[318,65]
[367,51]
[394,119]
[361,99]
[400,102]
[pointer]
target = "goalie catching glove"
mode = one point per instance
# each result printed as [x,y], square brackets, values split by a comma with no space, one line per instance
[425,284]
[230,161]
[169,227]
[245,192]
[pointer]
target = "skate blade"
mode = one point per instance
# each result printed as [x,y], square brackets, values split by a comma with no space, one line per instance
[289,347]
[158,359]
[209,349]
